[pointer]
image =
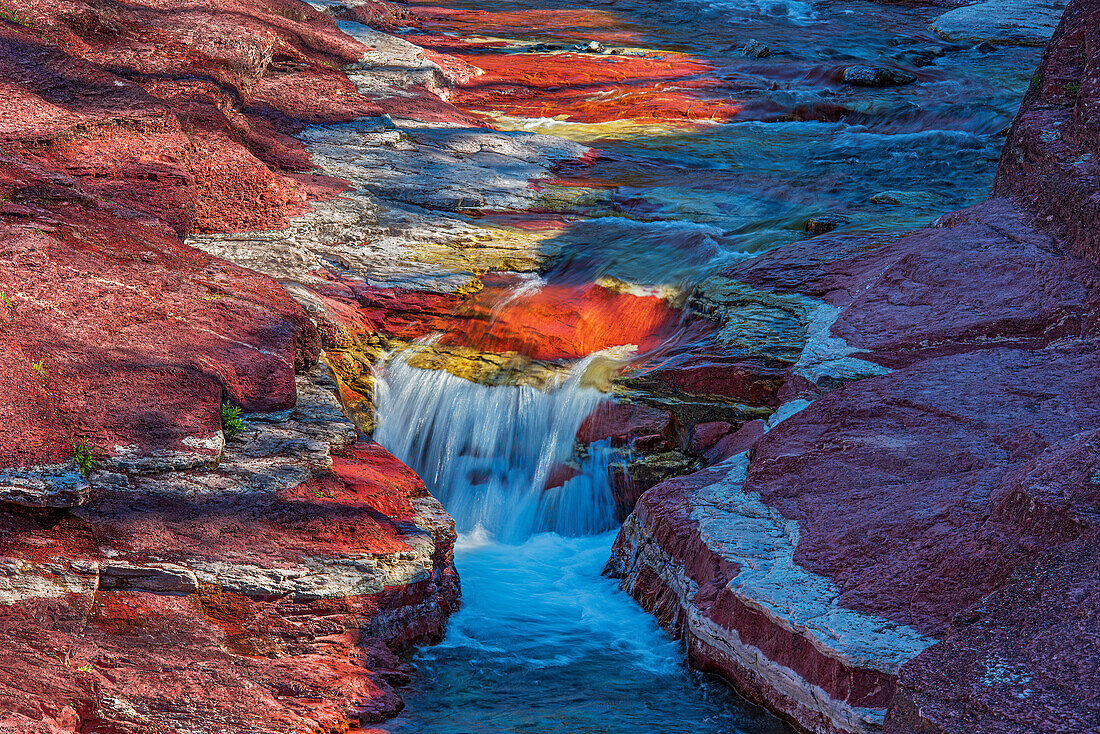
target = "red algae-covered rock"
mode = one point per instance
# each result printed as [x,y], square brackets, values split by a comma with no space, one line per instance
[558,322]
[563,82]
[260,596]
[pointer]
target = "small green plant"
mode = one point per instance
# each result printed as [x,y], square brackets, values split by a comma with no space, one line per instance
[86,668]
[1071,88]
[5,300]
[40,369]
[1036,80]
[82,452]
[319,494]
[232,422]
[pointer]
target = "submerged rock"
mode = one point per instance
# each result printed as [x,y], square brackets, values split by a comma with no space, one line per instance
[755,49]
[877,76]
[825,223]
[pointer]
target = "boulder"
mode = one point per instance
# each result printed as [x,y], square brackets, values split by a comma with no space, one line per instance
[1001,22]
[876,76]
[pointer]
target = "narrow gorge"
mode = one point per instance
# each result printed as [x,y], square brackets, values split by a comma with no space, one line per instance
[738,355]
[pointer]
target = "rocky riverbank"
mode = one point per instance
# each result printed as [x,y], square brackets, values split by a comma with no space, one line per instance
[909,549]
[882,507]
[160,571]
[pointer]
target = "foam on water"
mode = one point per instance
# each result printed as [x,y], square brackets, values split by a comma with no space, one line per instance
[796,11]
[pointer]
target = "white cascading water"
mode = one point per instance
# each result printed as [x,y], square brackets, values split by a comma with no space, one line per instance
[543,642]
[487,451]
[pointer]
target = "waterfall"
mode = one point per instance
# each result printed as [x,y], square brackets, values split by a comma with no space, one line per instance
[487,452]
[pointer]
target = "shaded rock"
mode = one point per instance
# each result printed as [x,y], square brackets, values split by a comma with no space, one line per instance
[876,76]
[903,499]
[919,56]
[1049,163]
[706,435]
[1003,22]
[1028,660]
[755,49]
[904,198]
[825,223]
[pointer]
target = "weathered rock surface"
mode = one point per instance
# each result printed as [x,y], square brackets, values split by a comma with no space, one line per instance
[1049,162]
[258,584]
[258,596]
[913,530]
[1002,22]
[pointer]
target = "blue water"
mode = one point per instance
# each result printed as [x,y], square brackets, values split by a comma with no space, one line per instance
[543,643]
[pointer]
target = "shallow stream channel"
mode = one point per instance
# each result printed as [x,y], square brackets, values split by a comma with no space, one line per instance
[706,150]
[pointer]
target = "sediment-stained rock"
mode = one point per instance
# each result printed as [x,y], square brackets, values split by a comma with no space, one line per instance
[257,596]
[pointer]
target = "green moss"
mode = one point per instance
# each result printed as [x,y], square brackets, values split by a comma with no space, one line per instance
[13,16]
[1071,88]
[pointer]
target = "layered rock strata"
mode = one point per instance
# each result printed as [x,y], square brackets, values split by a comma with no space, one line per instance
[156,575]
[261,595]
[898,546]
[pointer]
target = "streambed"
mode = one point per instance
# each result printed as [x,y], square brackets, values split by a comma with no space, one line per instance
[543,642]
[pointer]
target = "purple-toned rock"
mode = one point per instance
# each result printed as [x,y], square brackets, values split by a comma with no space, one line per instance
[910,541]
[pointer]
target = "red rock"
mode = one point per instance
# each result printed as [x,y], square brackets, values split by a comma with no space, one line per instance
[706,435]
[559,475]
[560,322]
[1049,162]
[261,596]
[734,443]
[138,337]
[379,14]
[946,510]
[621,422]
[669,88]
[1026,659]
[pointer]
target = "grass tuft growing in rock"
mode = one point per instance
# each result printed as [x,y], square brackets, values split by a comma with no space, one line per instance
[82,452]
[232,422]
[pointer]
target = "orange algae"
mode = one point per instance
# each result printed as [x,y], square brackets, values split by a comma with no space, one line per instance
[562,322]
[641,87]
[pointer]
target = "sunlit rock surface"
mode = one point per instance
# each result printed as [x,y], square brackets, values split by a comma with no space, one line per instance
[189,581]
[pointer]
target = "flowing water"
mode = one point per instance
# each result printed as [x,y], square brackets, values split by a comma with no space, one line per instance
[544,643]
